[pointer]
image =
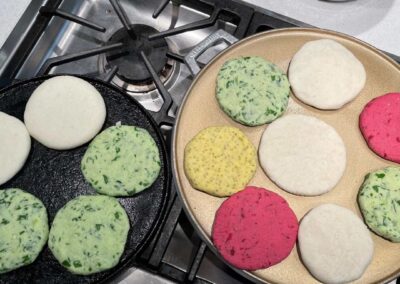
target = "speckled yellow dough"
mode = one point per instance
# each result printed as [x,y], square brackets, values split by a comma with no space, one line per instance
[220,161]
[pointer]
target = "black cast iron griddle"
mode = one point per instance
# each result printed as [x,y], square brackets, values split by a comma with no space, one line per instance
[55,177]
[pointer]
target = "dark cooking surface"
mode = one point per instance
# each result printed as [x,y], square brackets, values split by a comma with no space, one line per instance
[55,177]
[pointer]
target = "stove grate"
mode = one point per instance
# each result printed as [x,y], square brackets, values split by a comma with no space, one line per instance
[55,61]
[50,11]
[229,11]
[269,21]
[160,8]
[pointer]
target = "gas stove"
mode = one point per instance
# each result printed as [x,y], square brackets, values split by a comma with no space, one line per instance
[141,47]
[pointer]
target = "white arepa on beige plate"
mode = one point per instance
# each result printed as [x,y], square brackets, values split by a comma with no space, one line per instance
[335,245]
[64,112]
[325,74]
[15,144]
[302,154]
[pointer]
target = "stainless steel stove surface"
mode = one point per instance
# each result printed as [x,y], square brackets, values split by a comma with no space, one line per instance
[65,37]
[56,42]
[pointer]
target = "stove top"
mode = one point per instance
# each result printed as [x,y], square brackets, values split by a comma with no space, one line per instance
[140,46]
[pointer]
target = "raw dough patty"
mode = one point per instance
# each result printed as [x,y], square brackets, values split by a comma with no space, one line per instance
[220,161]
[254,228]
[89,233]
[302,154]
[15,144]
[325,74]
[335,245]
[121,161]
[252,90]
[23,228]
[379,200]
[380,126]
[64,112]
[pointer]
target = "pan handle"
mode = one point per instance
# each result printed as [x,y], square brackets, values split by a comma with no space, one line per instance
[215,37]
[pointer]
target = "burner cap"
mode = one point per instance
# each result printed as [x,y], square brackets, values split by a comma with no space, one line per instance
[131,67]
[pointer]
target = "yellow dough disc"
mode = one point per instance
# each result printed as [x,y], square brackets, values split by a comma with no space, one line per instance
[220,161]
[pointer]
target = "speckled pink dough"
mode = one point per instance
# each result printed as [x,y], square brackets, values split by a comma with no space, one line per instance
[380,126]
[254,228]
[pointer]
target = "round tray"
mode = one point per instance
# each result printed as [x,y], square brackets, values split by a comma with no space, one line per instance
[200,109]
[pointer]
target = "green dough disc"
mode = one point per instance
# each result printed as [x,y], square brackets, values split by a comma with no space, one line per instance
[379,200]
[252,90]
[121,161]
[23,228]
[89,233]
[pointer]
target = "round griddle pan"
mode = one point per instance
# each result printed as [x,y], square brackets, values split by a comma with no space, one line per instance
[200,110]
[55,177]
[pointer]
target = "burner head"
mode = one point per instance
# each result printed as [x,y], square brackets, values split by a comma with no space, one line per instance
[131,67]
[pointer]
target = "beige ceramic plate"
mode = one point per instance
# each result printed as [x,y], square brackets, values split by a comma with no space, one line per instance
[200,110]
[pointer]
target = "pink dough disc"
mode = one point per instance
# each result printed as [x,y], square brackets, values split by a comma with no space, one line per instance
[254,228]
[380,126]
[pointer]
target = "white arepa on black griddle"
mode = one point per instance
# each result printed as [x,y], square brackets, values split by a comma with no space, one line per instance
[64,112]
[15,144]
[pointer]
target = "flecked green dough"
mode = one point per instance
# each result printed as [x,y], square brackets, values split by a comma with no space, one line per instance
[121,161]
[23,228]
[379,201]
[89,233]
[252,90]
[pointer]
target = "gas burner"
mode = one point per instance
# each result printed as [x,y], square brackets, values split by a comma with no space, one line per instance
[132,73]
[139,87]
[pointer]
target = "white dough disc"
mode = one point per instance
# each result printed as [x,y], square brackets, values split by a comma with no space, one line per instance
[64,112]
[302,154]
[335,245]
[325,74]
[15,144]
